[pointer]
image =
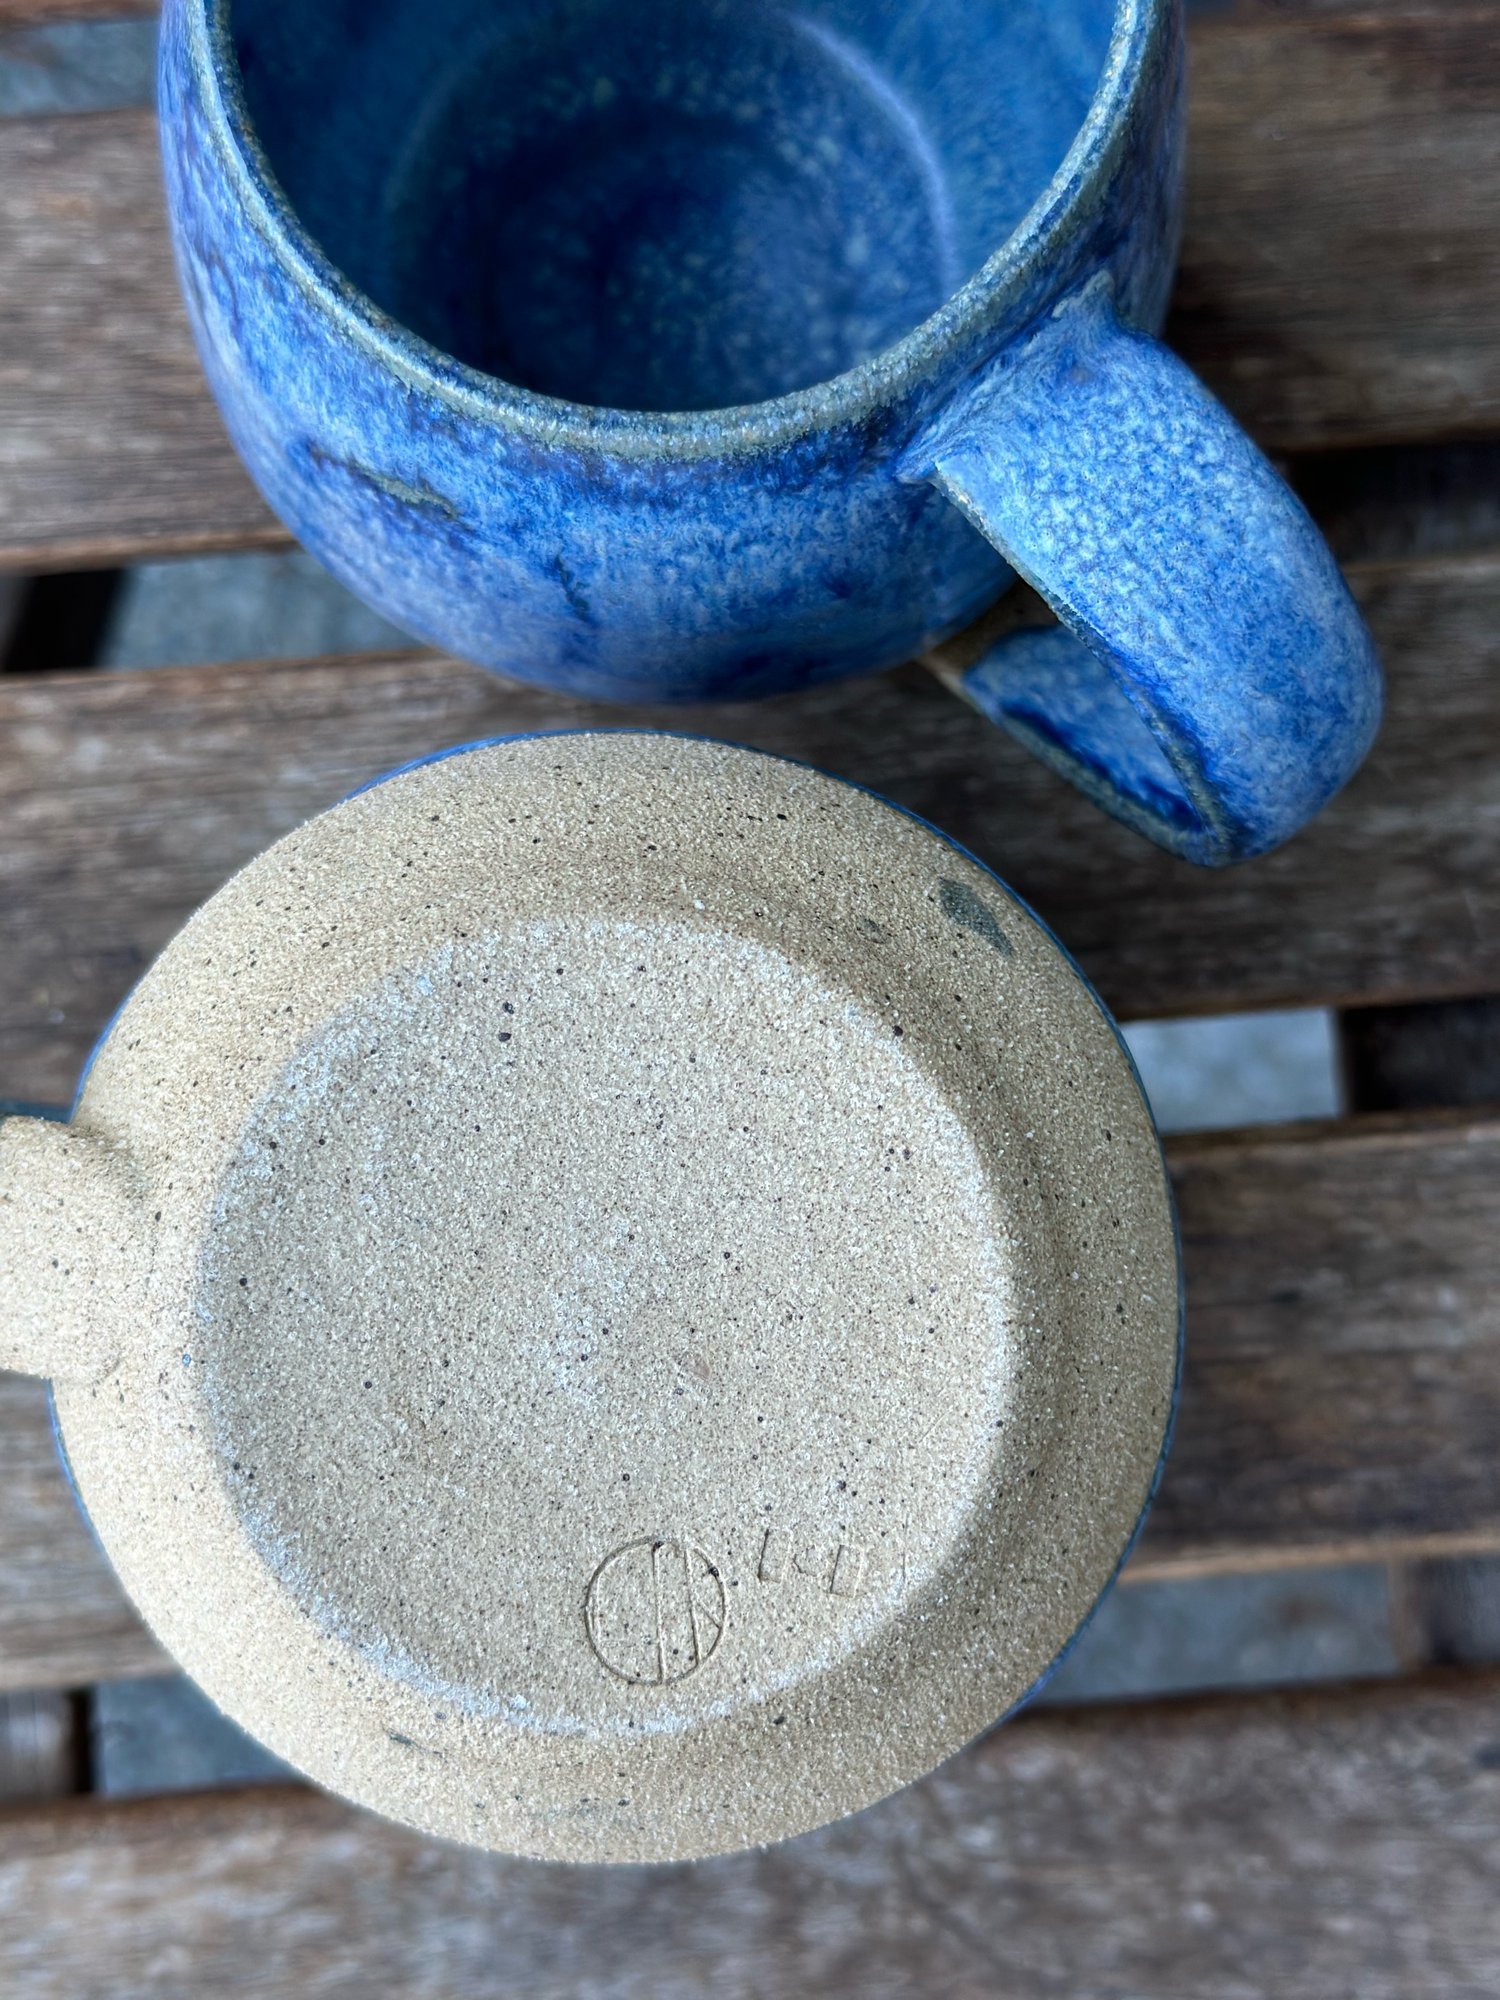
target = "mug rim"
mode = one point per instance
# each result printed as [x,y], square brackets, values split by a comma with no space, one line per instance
[553,422]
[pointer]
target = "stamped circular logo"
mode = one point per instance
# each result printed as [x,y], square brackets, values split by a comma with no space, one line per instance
[655,1610]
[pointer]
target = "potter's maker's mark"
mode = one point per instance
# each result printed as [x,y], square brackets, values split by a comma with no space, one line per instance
[655,1610]
[838,1566]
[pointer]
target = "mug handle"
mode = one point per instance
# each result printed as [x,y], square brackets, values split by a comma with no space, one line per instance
[1211,681]
[73,1251]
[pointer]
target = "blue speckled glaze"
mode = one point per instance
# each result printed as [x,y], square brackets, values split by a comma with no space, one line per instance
[1241,687]
[646,352]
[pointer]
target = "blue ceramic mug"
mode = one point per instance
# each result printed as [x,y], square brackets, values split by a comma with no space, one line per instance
[714,349]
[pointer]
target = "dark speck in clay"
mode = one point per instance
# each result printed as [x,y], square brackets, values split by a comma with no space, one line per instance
[960,903]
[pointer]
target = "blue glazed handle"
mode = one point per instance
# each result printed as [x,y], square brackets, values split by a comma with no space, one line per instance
[1211,681]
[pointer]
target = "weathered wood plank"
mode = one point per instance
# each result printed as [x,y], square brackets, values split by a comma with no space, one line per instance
[64,1621]
[29,13]
[1337,283]
[1341,1397]
[125,799]
[110,446]
[1308,1845]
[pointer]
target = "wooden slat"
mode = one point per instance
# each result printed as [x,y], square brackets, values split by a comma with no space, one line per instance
[1341,1398]
[1337,286]
[125,799]
[64,1621]
[39,13]
[1338,283]
[1305,1846]
[110,447]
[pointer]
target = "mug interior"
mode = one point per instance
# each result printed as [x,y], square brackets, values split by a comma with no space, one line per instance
[683,207]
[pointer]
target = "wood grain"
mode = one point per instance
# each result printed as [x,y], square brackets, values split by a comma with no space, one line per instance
[1338,284]
[64,1621]
[1338,280]
[110,447]
[1341,1398]
[38,13]
[127,798]
[1307,1846]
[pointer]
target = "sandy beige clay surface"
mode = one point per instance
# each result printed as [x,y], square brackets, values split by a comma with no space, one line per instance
[615,1297]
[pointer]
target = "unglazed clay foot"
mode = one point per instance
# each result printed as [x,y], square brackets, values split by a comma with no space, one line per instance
[612,1297]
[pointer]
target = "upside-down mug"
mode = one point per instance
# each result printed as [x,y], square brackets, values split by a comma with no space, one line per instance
[716,347]
[611,1297]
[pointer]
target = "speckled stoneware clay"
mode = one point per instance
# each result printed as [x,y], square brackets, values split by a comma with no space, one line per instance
[611,1297]
[712,348]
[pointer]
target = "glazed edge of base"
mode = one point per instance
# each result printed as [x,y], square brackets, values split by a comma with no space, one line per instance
[794,1804]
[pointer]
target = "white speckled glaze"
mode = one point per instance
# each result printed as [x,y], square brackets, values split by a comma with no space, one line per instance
[616,1298]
